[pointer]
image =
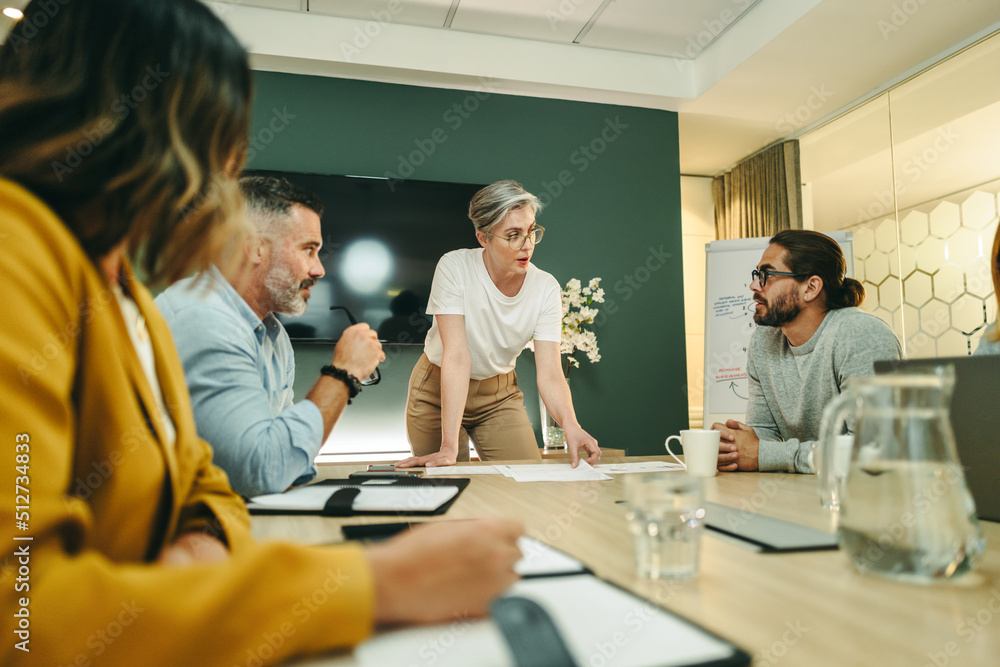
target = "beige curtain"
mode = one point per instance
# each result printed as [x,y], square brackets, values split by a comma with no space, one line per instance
[761,195]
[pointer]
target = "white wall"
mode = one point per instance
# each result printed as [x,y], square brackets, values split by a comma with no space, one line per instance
[697,229]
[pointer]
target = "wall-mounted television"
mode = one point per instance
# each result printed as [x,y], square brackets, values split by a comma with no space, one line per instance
[381,242]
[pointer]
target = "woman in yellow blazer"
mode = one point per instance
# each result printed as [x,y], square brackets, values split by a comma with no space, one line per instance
[122,125]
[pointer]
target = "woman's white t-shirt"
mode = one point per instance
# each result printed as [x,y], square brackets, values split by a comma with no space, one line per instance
[497,326]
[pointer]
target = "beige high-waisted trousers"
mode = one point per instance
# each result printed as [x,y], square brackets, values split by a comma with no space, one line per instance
[494,417]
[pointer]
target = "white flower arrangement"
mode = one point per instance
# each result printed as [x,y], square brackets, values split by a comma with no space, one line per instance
[578,311]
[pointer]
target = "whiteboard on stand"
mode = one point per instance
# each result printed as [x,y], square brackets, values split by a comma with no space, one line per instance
[729,322]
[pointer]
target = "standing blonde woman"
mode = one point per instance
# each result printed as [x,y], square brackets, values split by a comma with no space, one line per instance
[122,128]
[487,304]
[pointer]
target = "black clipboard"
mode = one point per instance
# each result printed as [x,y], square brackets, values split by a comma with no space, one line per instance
[341,500]
[770,534]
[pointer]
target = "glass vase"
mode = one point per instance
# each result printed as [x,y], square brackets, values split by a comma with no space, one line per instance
[552,433]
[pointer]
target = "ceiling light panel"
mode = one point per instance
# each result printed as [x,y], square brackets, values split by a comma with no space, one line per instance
[678,29]
[544,20]
[427,13]
[286,5]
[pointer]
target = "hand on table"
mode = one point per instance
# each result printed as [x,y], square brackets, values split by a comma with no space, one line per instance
[577,439]
[442,458]
[440,571]
[191,548]
[738,446]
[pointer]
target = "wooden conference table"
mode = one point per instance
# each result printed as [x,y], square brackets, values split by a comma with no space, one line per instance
[808,608]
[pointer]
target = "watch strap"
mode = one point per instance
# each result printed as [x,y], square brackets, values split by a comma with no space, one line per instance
[352,383]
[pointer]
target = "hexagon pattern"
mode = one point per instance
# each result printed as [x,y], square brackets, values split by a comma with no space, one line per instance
[877,268]
[949,282]
[913,229]
[917,288]
[945,298]
[930,254]
[979,280]
[978,210]
[963,247]
[885,236]
[967,313]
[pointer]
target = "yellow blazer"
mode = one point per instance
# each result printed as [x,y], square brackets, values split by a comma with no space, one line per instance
[101,493]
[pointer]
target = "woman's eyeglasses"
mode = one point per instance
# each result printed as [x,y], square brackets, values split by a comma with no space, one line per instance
[517,240]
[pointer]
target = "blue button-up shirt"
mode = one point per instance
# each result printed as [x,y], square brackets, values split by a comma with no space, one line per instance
[240,371]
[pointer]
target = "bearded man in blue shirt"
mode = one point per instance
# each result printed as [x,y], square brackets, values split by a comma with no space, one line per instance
[238,360]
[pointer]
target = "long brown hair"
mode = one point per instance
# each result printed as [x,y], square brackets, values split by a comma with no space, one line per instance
[130,119]
[815,254]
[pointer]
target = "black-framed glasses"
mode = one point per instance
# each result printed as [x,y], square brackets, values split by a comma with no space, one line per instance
[516,241]
[761,275]
[375,377]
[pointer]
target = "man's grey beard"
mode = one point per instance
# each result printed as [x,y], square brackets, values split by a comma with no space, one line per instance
[285,292]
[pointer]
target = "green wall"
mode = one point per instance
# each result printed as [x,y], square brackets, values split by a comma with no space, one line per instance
[616,214]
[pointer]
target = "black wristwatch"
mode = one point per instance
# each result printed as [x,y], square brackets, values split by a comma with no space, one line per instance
[353,383]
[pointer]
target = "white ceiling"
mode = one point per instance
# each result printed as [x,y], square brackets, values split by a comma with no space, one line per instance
[741,73]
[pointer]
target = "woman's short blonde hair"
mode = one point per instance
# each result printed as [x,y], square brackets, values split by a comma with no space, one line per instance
[130,118]
[492,204]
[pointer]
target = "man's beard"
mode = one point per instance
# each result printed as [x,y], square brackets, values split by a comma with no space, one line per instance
[285,291]
[782,310]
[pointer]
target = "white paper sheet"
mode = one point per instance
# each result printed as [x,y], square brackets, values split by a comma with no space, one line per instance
[538,558]
[408,498]
[461,471]
[638,466]
[551,472]
[372,498]
[303,499]
[600,624]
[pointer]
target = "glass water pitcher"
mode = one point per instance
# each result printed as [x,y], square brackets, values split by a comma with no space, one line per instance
[905,510]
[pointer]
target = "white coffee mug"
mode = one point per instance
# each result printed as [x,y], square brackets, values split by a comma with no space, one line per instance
[701,451]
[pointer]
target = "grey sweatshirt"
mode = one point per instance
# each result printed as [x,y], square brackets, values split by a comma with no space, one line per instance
[790,386]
